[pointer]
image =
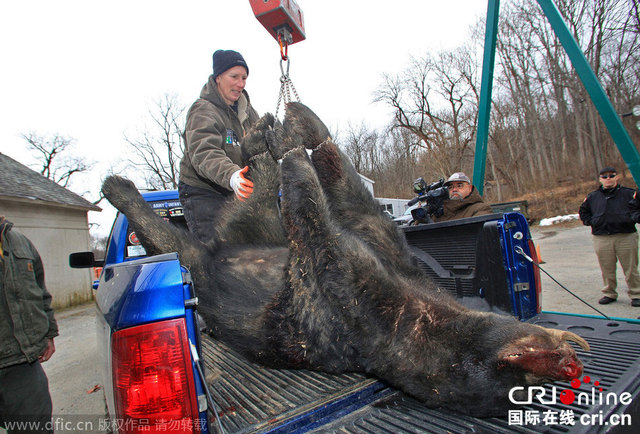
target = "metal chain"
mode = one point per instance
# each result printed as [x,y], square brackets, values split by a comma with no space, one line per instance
[286,86]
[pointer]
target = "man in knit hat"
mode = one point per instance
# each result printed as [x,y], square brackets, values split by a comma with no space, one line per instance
[211,171]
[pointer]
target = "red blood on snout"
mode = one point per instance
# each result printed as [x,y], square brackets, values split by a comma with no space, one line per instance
[555,364]
[572,369]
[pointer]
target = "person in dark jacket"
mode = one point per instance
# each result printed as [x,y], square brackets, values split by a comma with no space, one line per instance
[464,200]
[27,329]
[210,170]
[612,213]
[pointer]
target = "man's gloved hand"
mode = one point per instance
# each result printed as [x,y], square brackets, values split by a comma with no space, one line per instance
[241,185]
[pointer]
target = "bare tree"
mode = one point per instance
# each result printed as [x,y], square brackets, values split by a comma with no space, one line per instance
[362,147]
[159,148]
[53,152]
[390,157]
[544,128]
[635,16]
[98,245]
[401,163]
[436,99]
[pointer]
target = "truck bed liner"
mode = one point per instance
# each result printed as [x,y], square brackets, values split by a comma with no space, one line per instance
[252,398]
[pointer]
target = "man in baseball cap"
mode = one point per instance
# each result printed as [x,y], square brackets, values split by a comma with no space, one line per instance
[464,199]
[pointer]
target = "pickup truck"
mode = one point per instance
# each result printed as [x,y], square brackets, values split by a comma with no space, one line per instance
[162,372]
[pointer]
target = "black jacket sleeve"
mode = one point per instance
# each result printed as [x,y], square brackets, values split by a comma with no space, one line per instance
[585,212]
[634,207]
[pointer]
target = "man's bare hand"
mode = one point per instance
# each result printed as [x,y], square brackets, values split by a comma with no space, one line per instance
[48,352]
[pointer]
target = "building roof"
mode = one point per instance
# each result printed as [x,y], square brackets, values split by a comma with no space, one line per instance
[19,182]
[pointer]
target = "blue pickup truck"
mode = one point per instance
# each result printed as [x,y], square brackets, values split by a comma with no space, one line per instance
[163,372]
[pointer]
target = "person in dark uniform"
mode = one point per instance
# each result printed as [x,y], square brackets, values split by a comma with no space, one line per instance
[612,211]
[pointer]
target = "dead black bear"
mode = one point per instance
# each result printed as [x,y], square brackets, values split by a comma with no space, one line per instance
[330,285]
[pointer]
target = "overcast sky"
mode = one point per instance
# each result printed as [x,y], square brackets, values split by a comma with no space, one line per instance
[91,70]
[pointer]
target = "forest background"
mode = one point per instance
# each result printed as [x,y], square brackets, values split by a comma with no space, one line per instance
[546,139]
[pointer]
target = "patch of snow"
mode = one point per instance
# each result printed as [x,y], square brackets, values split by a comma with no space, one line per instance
[558,219]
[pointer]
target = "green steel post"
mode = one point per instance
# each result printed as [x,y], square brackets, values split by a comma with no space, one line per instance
[484,109]
[608,114]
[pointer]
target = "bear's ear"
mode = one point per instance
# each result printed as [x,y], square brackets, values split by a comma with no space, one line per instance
[544,355]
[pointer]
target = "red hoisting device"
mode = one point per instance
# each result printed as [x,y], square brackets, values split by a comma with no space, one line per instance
[282,18]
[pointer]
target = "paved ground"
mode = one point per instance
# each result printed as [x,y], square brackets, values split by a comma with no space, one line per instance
[76,384]
[74,380]
[569,258]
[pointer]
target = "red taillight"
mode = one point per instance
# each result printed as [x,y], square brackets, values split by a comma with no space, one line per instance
[153,379]
[536,275]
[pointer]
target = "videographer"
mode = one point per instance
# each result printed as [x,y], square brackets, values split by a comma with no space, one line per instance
[464,200]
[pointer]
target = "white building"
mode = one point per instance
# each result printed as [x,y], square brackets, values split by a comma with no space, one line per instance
[367,183]
[396,207]
[55,220]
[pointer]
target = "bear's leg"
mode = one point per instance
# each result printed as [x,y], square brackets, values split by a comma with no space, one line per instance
[350,199]
[322,295]
[302,128]
[322,257]
[305,212]
[257,219]
[353,207]
[156,235]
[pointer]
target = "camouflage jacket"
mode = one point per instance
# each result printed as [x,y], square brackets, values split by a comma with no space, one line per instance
[26,317]
[213,134]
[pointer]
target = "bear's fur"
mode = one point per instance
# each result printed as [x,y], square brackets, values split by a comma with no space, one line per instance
[324,281]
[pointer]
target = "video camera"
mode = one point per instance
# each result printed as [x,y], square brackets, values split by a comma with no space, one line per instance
[433,194]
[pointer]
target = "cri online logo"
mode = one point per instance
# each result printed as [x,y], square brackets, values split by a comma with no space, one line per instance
[517,395]
[567,396]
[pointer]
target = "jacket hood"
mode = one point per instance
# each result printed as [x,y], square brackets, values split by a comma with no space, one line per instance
[5,225]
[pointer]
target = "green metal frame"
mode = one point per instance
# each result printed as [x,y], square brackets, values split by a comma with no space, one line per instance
[486,87]
[609,116]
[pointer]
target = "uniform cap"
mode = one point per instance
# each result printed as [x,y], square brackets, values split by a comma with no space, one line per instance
[608,169]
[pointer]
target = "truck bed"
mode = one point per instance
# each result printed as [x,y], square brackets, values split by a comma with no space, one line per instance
[251,398]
